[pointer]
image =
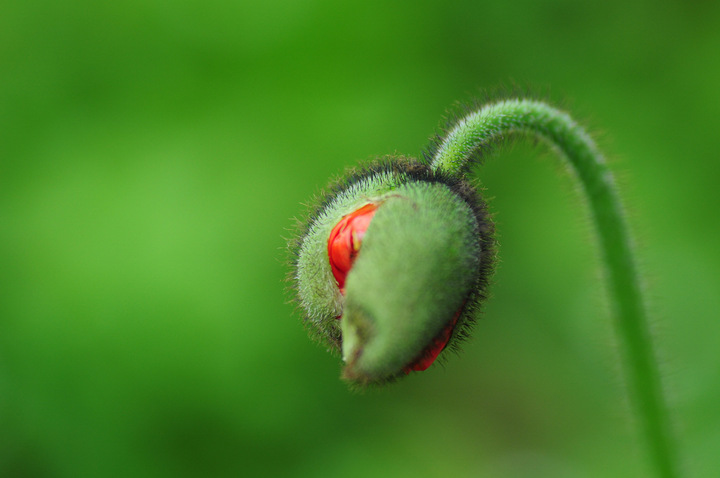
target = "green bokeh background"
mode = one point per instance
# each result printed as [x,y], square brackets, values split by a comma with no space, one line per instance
[153,155]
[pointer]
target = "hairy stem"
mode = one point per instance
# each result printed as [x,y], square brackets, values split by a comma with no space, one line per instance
[482,130]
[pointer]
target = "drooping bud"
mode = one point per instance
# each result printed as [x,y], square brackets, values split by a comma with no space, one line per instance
[402,256]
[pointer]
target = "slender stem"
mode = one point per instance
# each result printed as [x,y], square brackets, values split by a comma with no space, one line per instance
[487,127]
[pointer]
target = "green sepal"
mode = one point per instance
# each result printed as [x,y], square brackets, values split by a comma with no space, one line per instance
[417,268]
[316,289]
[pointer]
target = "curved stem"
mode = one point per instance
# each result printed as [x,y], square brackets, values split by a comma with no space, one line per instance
[485,128]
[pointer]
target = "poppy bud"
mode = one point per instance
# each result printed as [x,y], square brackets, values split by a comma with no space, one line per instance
[401,255]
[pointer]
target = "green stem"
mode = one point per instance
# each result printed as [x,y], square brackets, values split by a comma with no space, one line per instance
[484,129]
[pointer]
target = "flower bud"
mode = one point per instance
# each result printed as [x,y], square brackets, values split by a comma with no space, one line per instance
[401,255]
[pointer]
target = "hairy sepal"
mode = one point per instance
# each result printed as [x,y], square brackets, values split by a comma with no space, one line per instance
[317,291]
[418,266]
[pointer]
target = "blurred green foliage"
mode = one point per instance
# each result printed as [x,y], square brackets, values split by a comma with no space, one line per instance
[153,155]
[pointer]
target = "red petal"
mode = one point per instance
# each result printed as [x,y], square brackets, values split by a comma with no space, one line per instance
[431,352]
[344,241]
